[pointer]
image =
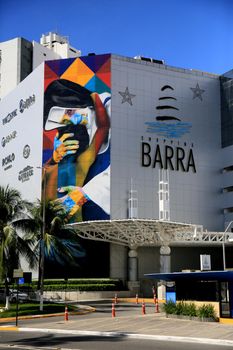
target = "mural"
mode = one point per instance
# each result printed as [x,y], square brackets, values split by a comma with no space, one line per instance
[76,141]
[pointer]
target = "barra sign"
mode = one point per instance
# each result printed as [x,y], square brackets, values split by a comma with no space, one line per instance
[167,157]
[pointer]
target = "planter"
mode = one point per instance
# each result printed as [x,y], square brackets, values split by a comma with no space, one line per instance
[191,318]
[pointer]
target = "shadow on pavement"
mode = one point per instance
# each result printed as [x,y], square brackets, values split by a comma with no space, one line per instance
[50,339]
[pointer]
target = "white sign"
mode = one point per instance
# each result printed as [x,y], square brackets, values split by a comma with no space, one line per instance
[21,127]
[17,273]
[205,261]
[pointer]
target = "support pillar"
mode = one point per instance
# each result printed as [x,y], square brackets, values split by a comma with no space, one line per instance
[165,259]
[230,289]
[133,283]
[165,267]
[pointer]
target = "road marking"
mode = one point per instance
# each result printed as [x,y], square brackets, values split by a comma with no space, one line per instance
[9,328]
[28,347]
[212,341]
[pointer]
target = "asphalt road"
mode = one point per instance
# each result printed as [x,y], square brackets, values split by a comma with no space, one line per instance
[129,330]
[36,341]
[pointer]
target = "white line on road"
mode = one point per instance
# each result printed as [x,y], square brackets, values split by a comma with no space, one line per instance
[28,347]
[209,341]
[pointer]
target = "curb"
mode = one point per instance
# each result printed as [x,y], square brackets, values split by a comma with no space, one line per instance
[29,317]
[226,320]
[209,341]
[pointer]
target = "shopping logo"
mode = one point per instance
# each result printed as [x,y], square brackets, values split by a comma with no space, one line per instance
[8,138]
[7,161]
[26,151]
[25,104]
[25,174]
[168,120]
[9,117]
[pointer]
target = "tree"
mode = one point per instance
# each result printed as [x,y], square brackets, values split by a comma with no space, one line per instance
[61,243]
[13,213]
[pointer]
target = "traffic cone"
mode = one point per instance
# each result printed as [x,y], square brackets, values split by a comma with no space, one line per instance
[113,310]
[143,308]
[157,306]
[136,298]
[66,314]
[116,299]
[155,298]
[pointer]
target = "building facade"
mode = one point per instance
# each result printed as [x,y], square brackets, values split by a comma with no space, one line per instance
[19,57]
[124,138]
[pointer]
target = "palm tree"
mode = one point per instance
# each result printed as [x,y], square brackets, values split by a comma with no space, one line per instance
[13,213]
[61,243]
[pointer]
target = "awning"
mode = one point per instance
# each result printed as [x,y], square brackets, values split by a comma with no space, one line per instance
[194,276]
[147,232]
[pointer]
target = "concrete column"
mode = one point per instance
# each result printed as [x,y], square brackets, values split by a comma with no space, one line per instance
[165,266]
[230,287]
[133,265]
[165,259]
[133,283]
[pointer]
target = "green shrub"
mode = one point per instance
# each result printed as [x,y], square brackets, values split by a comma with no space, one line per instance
[170,307]
[80,287]
[192,310]
[78,284]
[179,308]
[71,283]
[206,311]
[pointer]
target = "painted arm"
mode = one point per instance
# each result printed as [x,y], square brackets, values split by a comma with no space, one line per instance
[102,122]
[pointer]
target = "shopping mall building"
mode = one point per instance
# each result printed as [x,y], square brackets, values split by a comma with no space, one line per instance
[140,153]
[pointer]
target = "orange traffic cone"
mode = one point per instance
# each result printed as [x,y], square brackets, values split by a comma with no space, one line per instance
[157,306]
[116,299]
[155,298]
[143,308]
[113,310]
[66,314]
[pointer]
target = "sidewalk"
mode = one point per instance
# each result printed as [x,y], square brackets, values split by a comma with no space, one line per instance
[134,324]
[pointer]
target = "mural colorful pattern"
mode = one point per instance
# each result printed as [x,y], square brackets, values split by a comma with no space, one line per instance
[76,142]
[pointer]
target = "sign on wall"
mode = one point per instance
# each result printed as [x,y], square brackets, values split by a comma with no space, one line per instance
[205,261]
[21,136]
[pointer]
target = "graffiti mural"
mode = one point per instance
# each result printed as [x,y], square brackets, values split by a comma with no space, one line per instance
[76,141]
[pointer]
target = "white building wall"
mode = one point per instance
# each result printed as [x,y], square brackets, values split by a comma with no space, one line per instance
[21,136]
[9,66]
[16,63]
[194,197]
[41,54]
[59,45]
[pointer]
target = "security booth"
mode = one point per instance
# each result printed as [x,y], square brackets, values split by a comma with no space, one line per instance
[210,286]
[170,291]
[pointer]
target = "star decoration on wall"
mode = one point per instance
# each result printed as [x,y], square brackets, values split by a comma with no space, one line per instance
[126,96]
[197,92]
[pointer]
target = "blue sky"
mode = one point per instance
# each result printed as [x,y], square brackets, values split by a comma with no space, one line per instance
[194,34]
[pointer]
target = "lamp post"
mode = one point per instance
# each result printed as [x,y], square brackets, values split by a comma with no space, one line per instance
[223,245]
[42,253]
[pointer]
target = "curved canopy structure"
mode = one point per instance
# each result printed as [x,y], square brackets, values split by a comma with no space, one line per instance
[145,232]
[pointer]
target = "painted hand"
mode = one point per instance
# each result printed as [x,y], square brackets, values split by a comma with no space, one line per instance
[73,200]
[63,147]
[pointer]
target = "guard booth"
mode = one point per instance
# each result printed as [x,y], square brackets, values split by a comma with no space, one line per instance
[200,286]
[170,291]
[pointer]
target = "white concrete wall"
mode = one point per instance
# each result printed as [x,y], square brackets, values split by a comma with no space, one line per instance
[118,261]
[80,296]
[194,197]
[41,54]
[9,66]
